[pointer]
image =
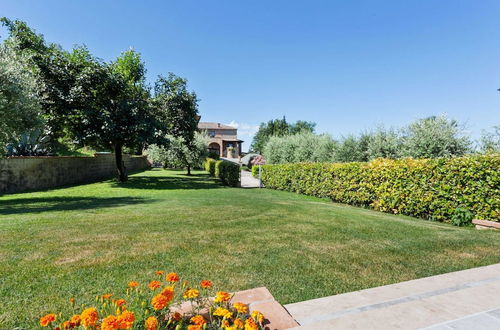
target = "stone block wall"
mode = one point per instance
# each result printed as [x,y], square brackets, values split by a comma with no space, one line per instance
[19,174]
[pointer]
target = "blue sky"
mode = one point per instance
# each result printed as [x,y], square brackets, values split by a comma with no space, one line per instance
[346,65]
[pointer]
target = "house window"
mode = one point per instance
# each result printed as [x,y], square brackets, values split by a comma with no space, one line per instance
[211,134]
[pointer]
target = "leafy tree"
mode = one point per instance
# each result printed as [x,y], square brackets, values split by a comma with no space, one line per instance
[19,104]
[490,141]
[435,136]
[384,143]
[176,153]
[301,147]
[352,149]
[177,111]
[278,127]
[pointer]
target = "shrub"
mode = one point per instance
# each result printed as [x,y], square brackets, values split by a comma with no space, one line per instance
[213,155]
[462,217]
[227,171]
[424,188]
[156,305]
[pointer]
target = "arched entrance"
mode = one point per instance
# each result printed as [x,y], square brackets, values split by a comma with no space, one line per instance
[214,147]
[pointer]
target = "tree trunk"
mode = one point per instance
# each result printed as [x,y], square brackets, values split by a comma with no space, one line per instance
[189,170]
[120,165]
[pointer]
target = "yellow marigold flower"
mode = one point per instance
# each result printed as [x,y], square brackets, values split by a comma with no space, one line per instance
[106,296]
[233,327]
[219,311]
[126,320]
[258,316]
[172,277]
[206,284]
[120,302]
[191,293]
[250,324]
[153,285]
[198,320]
[238,323]
[110,323]
[151,323]
[240,307]
[159,272]
[176,316]
[222,296]
[168,292]
[47,319]
[89,317]
[160,301]
[133,284]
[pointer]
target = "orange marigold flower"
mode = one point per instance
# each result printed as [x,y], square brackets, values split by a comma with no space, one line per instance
[47,319]
[126,320]
[219,311]
[159,272]
[250,324]
[173,277]
[191,293]
[89,317]
[160,301]
[195,327]
[106,296]
[153,285]
[198,320]
[120,302]
[240,307]
[72,300]
[133,284]
[151,323]
[225,324]
[110,323]
[168,292]
[222,296]
[258,316]
[206,284]
[66,325]
[75,320]
[238,323]
[176,316]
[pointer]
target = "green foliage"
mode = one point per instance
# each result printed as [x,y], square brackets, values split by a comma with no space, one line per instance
[227,171]
[20,109]
[301,147]
[352,149]
[31,143]
[462,217]
[433,137]
[490,141]
[213,155]
[424,188]
[176,153]
[278,127]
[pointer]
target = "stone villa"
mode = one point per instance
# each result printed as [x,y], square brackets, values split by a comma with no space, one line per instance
[222,137]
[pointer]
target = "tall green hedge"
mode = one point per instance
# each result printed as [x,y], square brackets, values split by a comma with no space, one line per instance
[227,171]
[425,188]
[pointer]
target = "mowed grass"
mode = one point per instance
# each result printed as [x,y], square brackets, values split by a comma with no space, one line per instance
[93,239]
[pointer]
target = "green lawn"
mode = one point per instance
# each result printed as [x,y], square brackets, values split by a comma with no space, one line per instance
[93,239]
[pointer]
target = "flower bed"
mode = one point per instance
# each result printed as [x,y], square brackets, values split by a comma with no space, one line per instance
[164,303]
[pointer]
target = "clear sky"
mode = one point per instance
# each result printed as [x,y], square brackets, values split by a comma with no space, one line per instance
[346,65]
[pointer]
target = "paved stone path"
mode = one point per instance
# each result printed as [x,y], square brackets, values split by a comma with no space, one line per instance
[248,181]
[468,299]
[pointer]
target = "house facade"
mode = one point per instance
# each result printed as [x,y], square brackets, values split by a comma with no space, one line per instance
[223,139]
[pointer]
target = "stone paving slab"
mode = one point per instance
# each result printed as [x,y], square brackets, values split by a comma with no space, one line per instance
[407,305]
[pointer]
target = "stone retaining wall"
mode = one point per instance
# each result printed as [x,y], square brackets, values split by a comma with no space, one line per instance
[19,174]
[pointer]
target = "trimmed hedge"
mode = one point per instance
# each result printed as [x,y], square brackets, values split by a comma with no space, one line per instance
[424,188]
[227,171]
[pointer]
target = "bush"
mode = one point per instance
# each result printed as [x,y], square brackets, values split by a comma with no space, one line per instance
[462,217]
[227,171]
[213,155]
[424,188]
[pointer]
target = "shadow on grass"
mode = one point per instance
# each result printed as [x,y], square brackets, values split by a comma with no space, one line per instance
[35,205]
[194,181]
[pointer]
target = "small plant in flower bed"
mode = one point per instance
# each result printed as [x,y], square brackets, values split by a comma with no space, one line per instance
[159,304]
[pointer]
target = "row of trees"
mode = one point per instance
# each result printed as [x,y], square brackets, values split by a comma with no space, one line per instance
[77,99]
[431,137]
